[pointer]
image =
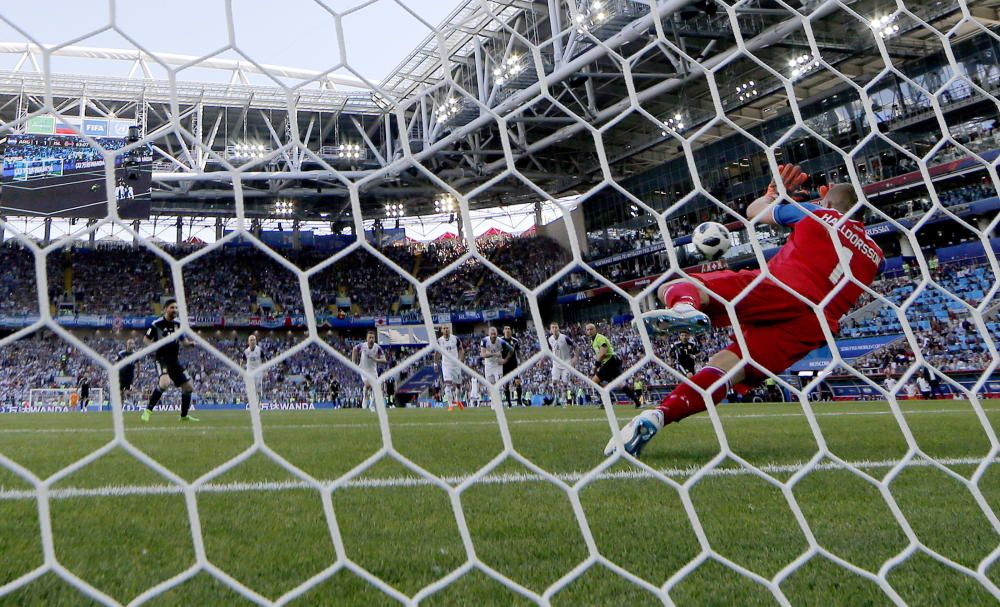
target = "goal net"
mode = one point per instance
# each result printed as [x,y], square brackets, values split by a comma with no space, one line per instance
[492,222]
[66,399]
[23,170]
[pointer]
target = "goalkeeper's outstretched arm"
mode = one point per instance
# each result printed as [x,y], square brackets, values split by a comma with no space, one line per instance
[762,209]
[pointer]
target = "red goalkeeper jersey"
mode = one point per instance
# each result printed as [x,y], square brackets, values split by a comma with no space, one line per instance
[809,261]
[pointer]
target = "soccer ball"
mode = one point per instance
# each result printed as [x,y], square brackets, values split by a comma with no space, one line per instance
[711,239]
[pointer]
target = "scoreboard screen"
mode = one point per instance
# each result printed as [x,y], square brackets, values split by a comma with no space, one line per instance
[64,176]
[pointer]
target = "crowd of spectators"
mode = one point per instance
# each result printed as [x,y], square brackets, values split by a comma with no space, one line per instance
[18,294]
[370,286]
[112,279]
[240,280]
[915,207]
[946,333]
[122,279]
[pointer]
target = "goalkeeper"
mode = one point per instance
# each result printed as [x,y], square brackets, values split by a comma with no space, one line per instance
[777,326]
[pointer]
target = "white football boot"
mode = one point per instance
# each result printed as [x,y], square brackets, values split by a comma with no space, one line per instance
[681,317]
[637,432]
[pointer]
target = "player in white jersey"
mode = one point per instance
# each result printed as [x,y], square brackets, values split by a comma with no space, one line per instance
[474,392]
[451,374]
[368,355]
[491,350]
[562,346]
[253,358]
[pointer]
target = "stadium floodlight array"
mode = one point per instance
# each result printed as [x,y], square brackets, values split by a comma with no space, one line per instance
[593,14]
[284,207]
[746,91]
[802,65]
[448,109]
[444,204]
[508,69]
[885,26]
[674,124]
[395,209]
[247,151]
[351,151]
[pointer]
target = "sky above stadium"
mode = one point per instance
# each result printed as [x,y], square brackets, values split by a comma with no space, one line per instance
[291,33]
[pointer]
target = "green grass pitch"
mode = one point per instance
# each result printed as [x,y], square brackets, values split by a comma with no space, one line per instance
[124,528]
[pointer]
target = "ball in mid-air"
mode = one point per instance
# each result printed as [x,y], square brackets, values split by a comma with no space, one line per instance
[711,239]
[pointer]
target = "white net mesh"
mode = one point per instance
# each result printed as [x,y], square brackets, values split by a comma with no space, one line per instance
[571,108]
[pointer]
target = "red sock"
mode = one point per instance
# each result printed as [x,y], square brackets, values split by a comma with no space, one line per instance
[685,401]
[682,292]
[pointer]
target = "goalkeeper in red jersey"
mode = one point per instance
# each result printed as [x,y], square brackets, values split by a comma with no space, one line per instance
[777,326]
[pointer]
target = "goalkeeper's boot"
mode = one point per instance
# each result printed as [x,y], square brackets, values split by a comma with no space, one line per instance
[681,317]
[189,418]
[146,414]
[637,433]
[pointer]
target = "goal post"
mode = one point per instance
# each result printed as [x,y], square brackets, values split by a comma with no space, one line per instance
[37,168]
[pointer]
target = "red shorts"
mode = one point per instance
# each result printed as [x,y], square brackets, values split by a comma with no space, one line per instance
[778,328]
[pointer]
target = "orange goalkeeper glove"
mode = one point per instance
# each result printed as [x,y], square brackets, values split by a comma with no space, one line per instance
[791,176]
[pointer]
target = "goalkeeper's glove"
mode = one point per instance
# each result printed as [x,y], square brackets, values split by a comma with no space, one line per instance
[792,177]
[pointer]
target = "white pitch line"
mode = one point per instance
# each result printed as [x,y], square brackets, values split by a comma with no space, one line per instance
[432,424]
[491,479]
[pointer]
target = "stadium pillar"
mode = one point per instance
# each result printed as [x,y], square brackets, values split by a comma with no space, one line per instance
[180,231]
[93,233]
[555,27]
[296,236]
[218,228]
[48,231]
[480,73]
[135,229]
[904,246]
[3,231]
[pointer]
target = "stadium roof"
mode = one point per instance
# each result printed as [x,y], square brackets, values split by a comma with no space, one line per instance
[567,90]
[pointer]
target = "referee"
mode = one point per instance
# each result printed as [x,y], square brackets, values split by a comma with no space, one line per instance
[607,366]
